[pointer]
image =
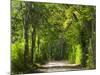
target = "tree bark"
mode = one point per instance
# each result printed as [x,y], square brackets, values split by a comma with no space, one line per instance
[33,44]
[26,36]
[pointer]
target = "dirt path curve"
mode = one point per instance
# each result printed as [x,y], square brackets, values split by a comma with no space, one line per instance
[55,66]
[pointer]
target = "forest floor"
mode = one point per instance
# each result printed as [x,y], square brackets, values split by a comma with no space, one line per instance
[58,66]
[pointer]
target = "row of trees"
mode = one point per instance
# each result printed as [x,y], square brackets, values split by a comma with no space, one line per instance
[43,32]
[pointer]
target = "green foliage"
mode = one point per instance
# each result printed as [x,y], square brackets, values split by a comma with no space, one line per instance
[17,57]
[91,59]
[43,32]
[78,54]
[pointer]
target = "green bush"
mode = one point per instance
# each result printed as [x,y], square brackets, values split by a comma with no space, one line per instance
[17,57]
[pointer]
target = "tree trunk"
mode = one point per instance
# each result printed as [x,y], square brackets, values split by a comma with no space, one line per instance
[33,44]
[26,36]
[83,44]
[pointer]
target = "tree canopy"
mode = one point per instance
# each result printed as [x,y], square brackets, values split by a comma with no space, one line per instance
[42,32]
